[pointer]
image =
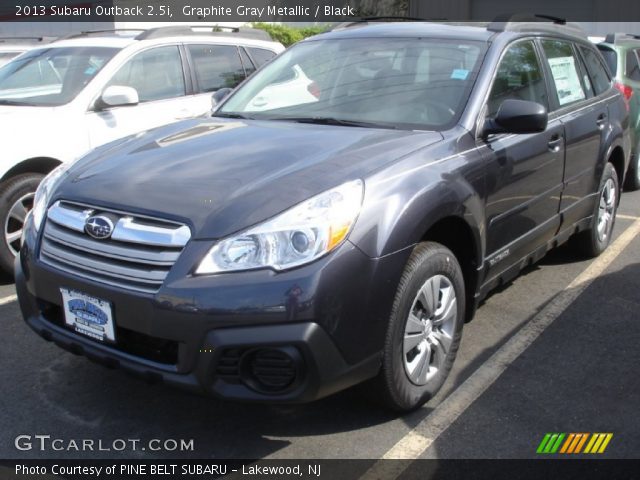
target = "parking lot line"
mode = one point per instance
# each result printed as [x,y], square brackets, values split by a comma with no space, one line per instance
[626,217]
[420,438]
[9,299]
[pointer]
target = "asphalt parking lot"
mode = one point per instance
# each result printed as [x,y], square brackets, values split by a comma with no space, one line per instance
[579,375]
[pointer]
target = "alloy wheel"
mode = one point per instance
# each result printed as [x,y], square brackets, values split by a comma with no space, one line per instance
[606,210]
[429,329]
[14,223]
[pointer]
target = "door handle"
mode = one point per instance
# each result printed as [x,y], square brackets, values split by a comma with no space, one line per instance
[555,143]
[601,121]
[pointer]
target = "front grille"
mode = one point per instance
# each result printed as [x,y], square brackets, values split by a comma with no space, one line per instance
[137,256]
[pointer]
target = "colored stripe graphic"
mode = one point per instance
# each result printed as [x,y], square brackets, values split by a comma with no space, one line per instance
[573,443]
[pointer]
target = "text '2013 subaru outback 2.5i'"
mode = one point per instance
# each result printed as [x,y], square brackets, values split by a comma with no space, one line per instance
[346,233]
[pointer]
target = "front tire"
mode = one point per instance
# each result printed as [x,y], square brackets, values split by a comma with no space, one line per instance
[16,199]
[424,330]
[595,240]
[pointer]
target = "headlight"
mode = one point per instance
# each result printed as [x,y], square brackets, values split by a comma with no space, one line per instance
[44,191]
[299,235]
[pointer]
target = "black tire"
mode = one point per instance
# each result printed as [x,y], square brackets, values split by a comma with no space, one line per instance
[11,192]
[393,385]
[632,182]
[590,242]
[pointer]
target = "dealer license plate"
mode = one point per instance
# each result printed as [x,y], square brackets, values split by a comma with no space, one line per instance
[88,315]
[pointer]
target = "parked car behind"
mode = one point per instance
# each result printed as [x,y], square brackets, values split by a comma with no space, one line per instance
[11,47]
[622,54]
[286,253]
[62,100]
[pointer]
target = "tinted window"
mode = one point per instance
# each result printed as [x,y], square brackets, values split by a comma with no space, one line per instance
[519,77]
[217,66]
[260,55]
[246,61]
[599,76]
[156,74]
[610,57]
[564,70]
[632,69]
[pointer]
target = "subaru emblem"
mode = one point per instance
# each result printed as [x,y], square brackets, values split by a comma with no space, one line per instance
[99,227]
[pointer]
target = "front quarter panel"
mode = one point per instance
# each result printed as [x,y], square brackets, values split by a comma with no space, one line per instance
[404,200]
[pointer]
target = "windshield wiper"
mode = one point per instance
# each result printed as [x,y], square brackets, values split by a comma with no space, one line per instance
[232,115]
[14,103]
[335,121]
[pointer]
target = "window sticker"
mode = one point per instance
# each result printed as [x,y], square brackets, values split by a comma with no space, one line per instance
[459,74]
[565,76]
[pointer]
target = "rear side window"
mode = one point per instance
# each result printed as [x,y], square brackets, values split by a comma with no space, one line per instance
[599,77]
[519,77]
[632,69]
[216,66]
[610,57]
[260,55]
[564,71]
[246,61]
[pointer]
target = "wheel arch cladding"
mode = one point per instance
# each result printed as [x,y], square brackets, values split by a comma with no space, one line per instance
[617,159]
[42,165]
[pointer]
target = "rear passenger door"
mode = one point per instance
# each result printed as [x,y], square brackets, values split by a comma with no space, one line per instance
[582,109]
[524,174]
[215,67]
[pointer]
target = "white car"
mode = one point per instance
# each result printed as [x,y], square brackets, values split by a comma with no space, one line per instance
[11,47]
[61,101]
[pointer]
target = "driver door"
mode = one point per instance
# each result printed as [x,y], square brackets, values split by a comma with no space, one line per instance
[157,75]
[524,172]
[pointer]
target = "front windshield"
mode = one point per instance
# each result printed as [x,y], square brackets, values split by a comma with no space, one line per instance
[51,76]
[394,82]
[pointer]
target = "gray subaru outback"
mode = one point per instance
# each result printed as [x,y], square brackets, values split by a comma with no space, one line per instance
[337,219]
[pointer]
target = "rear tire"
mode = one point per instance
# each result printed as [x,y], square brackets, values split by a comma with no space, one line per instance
[16,199]
[632,182]
[424,329]
[596,239]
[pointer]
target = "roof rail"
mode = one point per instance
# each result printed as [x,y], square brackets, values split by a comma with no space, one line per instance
[614,37]
[365,20]
[89,33]
[26,39]
[502,22]
[217,30]
[527,22]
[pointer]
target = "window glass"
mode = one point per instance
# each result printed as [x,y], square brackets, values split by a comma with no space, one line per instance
[610,57]
[564,70]
[632,68]
[401,82]
[519,77]
[246,61]
[51,76]
[217,66]
[260,55]
[599,76]
[156,74]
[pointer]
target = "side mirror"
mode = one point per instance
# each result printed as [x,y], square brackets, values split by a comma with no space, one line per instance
[220,95]
[517,116]
[117,96]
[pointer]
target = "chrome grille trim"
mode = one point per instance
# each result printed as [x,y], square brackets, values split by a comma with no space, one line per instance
[138,258]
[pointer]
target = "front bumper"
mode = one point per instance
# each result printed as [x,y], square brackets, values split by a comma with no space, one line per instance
[212,334]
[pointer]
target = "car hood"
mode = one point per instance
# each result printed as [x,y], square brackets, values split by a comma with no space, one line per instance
[220,176]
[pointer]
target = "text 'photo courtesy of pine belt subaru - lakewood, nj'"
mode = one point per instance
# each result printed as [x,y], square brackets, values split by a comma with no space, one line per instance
[283,253]
[60,100]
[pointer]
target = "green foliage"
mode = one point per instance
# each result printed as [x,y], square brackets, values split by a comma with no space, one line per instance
[288,35]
